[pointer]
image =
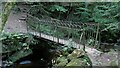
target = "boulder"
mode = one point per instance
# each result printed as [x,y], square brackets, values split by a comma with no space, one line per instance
[76,54]
[61,61]
[77,62]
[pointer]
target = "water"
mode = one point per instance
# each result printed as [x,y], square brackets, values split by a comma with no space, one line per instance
[25,62]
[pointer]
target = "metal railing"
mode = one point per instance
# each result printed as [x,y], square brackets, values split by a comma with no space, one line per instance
[82,33]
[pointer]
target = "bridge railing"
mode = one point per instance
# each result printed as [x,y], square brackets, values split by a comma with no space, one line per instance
[82,33]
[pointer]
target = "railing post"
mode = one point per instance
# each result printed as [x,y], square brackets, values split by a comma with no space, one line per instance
[53,32]
[57,35]
[40,29]
[99,37]
[84,40]
[80,38]
[96,35]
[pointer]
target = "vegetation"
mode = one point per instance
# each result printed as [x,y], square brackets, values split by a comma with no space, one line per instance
[105,14]
[17,47]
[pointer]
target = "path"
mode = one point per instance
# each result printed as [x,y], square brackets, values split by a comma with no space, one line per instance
[15,25]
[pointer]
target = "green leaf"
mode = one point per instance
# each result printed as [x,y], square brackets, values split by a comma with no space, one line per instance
[57,8]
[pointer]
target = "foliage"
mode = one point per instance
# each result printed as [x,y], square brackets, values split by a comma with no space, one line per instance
[107,14]
[38,8]
[17,43]
[54,8]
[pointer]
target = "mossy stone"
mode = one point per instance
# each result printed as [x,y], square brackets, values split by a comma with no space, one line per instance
[77,62]
[76,54]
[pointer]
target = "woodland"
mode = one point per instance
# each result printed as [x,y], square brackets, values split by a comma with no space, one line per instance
[86,25]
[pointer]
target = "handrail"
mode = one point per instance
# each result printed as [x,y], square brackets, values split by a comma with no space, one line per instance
[61,23]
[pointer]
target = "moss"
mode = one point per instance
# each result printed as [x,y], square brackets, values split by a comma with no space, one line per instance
[76,54]
[76,62]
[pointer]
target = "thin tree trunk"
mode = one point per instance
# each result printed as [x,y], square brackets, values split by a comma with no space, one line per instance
[96,35]
[5,13]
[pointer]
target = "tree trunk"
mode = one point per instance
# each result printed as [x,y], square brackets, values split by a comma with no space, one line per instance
[5,13]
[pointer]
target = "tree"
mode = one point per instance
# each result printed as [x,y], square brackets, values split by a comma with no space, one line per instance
[5,13]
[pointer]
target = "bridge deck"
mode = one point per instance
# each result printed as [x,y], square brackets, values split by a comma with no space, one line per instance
[62,41]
